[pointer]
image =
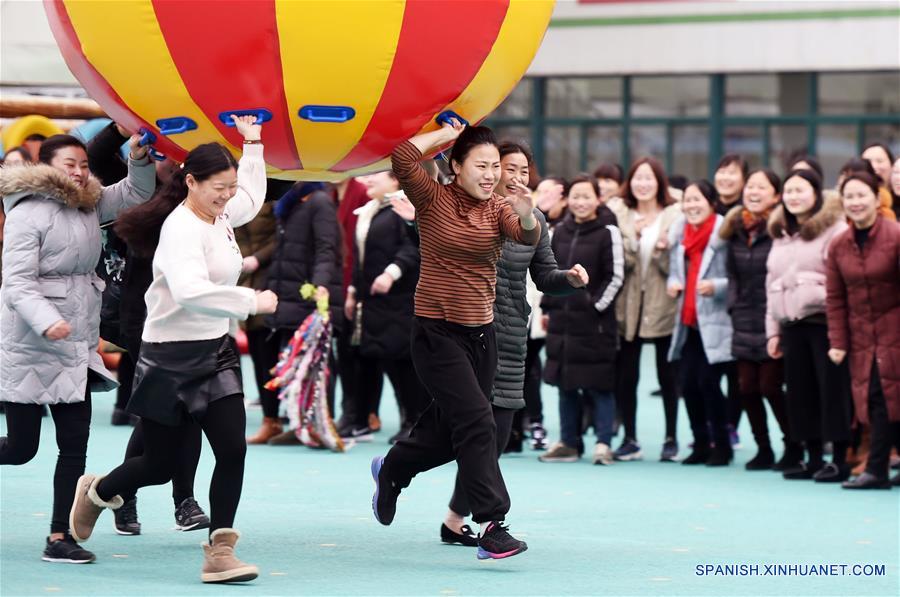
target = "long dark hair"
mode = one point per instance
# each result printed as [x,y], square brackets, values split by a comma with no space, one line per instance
[813,179]
[662,192]
[140,225]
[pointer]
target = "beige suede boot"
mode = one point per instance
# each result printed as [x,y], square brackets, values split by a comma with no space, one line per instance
[219,561]
[87,506]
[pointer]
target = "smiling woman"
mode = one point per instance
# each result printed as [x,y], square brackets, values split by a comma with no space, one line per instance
[454,349]
[189,369]
[50,313]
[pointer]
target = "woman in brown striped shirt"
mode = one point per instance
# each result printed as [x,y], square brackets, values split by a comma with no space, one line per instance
[461,228]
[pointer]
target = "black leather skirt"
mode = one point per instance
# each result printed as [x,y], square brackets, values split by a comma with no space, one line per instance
[176,381]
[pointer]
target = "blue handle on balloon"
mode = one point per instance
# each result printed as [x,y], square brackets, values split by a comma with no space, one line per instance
[262,115]
[147,137]
[445,116]
[175,125]
[327,113]
[156,155]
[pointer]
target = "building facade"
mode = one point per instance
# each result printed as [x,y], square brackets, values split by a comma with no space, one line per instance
[689,81]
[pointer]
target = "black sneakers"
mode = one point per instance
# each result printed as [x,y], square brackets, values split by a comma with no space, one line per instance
[466,538]
[66,551]
[496,543]
[384,501]
[189,516]
[126,519]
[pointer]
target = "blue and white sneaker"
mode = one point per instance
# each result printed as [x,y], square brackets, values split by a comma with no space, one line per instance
[384,501]
[629,450]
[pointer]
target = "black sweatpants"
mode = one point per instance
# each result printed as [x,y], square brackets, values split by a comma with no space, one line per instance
[818,391]
[735,404]
[354,407]
[73,427]
[884,432]
[411,396]
[628,366]
[456,365]
[503,418]
[263,346]
[224,424]
[701,384]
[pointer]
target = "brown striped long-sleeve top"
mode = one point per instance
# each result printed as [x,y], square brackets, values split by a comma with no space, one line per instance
[460,241]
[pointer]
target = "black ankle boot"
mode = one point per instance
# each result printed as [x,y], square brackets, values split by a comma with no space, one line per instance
[698,456]
[720,456]
[763,460]
[792,457]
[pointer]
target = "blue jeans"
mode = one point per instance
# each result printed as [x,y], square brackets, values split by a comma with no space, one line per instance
[570,415]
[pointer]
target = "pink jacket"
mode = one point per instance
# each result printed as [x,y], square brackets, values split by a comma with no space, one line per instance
[795,283]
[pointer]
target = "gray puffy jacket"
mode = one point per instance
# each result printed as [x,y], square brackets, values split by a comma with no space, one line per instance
[511,310]
[50,250]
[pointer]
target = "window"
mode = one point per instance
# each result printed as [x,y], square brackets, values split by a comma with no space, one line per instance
[562,151]
[745,141]
[786,141]
[690,151]
[604,144]
[647,140]
[889,134]
[513,133]
[518,103]
[599,97]
[859,93]
[670,96]
[767,95]
[835,144]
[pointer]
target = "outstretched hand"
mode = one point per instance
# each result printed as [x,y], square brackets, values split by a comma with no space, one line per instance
[520,201]
[453,129]
[403,207]
[247,127]
[135,149]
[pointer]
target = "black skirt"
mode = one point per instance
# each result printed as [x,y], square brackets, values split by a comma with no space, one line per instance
[175,381]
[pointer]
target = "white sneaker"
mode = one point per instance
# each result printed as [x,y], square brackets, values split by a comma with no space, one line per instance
[603,455]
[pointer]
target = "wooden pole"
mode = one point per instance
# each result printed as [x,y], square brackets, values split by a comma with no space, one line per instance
[51,107]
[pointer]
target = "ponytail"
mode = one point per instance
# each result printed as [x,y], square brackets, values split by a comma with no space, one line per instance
[140,226]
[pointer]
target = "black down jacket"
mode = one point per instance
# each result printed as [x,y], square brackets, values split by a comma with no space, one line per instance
[582,336]
[308,250]
[746,287]
[386,318]
[511,309]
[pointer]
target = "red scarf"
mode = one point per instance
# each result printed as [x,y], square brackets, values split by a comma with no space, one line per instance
[695,240]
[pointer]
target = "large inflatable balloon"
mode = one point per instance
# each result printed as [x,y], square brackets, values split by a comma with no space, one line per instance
[338,82]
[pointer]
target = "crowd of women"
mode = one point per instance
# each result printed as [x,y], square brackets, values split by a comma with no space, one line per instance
[455,282]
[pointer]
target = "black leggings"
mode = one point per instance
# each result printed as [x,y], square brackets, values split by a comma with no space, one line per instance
[224,424]
[629,366]
[185,467]
[73,426]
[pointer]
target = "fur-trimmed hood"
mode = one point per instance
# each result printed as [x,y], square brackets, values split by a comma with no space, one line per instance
[831,212]
[18,182]
[731,223]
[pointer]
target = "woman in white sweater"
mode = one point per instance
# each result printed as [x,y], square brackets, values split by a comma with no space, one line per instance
[189,366]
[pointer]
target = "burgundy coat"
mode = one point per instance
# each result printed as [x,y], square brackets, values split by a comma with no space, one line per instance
[863,307]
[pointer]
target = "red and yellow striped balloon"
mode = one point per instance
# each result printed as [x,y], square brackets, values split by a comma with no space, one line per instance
[395,64]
